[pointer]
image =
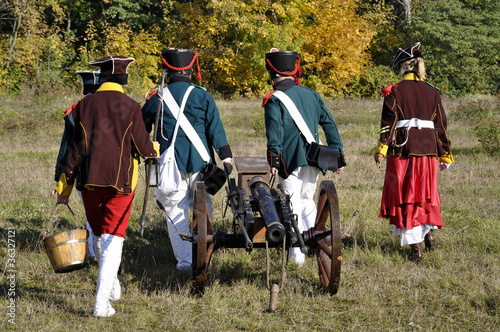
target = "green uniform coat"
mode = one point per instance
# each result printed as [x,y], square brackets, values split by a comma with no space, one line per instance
[203,115]
[286,146]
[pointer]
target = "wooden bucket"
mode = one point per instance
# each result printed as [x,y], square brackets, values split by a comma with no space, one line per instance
[67,251]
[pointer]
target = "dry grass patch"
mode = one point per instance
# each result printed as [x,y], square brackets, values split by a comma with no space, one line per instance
[455,288]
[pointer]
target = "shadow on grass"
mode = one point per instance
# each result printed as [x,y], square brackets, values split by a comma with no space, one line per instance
[29,234]
[235,271]
[150,261]
[65,295]
[56,299]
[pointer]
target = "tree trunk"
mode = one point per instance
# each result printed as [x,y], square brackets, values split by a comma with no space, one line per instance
[70,7]
[13,37]
[407,4]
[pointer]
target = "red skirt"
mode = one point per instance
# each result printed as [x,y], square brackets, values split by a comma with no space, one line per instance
[410,197]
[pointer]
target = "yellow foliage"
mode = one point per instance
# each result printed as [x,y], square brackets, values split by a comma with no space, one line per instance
[335,50]
[233,36]
[230,36]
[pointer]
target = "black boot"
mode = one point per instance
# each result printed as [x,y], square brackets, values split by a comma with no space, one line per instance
[416,252]
[430,241]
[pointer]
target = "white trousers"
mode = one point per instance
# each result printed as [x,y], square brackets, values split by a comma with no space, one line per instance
[301,186]
[178,211]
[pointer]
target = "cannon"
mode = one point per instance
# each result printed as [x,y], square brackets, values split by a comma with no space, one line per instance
[263,218]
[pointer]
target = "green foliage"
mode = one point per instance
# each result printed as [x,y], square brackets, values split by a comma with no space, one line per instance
[460,46]
[341,43]
[34,60]
[139,14]
[390,36]
[231,38]
[481,4]
[485,112]
[488,134]
[372,81]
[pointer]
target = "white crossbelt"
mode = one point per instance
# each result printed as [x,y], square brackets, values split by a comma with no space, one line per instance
[296,116]
[411,123]
[184,122]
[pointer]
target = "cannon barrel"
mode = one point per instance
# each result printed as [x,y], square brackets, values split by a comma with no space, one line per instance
[275,232]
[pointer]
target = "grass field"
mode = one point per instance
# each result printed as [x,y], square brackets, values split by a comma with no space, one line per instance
[455,288]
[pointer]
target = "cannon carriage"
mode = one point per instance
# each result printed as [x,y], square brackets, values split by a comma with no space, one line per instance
[263,218]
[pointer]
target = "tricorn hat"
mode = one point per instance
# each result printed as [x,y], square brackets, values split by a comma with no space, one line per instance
[283,63]
[409,52]
[113,68]
[180,60]
[113,64]
[90,80]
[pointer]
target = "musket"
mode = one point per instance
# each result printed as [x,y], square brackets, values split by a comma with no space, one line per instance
[150,160]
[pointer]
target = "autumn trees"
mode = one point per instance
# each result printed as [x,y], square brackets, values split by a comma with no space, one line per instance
[332,38]
[345,46]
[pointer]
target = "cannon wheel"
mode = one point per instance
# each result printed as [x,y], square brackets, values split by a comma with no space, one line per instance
[329,240]
[203,244]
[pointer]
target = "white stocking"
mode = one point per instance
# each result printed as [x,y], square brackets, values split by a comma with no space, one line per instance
[110,258]
[116,290]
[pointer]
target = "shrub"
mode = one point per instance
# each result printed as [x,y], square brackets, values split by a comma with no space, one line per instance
[488,134]
[474,110]
[9,120]
[258,124]
[372,81]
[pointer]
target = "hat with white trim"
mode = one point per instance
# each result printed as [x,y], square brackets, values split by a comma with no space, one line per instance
[113,68]
[409,52]
[90,80]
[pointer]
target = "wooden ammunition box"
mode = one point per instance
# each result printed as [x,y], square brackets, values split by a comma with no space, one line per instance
[248,167]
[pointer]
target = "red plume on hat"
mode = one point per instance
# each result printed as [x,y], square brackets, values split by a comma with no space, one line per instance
[283,63]
[406,53]
[180,60]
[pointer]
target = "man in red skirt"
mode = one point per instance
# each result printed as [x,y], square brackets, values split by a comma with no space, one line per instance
[414,139]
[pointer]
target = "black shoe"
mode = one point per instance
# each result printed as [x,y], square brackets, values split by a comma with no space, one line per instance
[416,252]
[430,241]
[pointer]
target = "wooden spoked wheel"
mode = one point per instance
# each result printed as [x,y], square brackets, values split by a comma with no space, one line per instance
[203,244]
[328,237]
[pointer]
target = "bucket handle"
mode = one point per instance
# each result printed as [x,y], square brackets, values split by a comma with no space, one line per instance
[51,222]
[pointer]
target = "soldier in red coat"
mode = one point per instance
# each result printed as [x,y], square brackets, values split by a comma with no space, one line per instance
[414,139]
[103,158]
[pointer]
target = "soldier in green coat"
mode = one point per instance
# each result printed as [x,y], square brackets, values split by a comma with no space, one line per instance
[286,145]
[202,113]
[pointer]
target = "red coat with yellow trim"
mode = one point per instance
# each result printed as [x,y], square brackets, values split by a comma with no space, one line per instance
[414,98]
